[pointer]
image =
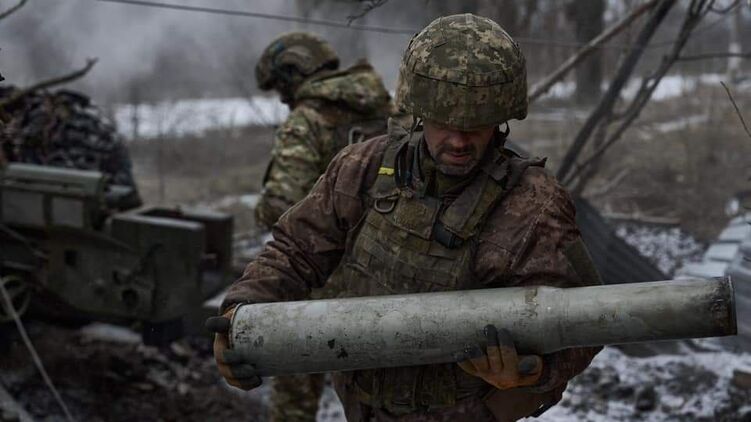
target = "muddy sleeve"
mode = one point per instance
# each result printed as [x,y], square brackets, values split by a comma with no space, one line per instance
[296,164]
[309,239]
[545,258]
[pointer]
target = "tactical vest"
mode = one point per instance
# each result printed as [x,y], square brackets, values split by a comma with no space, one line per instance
[407,243]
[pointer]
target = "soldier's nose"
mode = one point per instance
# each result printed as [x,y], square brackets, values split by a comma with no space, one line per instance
[459,141]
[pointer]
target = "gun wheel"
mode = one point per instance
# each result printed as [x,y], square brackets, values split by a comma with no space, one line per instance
[19,293]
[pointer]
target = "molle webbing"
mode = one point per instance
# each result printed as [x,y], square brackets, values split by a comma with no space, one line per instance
[463,219]
[385,185]
[500,172]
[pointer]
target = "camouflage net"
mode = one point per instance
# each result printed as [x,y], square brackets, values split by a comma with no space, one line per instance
[62,129]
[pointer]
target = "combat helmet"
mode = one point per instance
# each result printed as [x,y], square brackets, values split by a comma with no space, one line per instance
[303,51]
[463,71]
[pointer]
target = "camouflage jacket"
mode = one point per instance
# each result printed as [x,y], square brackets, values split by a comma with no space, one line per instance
[521,244]
[326,108]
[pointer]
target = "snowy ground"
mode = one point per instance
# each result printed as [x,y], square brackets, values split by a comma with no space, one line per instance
[671,86]
[192,117]
[667,247]
[706,386]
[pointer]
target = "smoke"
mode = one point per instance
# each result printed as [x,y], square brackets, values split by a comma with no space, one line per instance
[149,54]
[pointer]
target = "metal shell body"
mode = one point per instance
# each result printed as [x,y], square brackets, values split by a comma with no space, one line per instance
[418,329]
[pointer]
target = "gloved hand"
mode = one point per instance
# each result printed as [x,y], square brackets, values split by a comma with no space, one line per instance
[499,365]
[233,367]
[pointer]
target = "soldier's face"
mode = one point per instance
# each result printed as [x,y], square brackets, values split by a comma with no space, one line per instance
[456,152]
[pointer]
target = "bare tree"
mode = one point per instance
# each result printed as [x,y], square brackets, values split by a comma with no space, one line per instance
[541,87]
[605,106]
[13,9]
[578,176]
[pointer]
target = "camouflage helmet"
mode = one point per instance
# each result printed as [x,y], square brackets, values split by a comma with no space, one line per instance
[463,71]
[306,52]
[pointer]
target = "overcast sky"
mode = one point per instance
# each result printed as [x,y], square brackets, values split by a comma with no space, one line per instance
[172,50]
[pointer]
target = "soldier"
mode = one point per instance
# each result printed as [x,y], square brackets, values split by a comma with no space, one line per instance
[442,206]
[330,109]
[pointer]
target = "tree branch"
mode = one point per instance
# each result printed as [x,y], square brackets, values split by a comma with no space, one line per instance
[605,107]
[49,83]
[13,9]
[737,110]
[722,11]
[368,7]
[544,86]
[694,15]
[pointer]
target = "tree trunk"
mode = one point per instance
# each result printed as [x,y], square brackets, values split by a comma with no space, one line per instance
[588,19]
[734,63]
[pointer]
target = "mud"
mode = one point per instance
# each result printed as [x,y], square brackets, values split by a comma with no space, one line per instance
[108,380]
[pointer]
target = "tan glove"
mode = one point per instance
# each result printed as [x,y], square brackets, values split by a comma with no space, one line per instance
[233,367]
[499,365]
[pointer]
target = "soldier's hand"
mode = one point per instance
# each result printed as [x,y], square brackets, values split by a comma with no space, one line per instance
[499,364]
[233,367]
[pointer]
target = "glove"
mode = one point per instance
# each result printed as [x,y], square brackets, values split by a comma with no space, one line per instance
[499,365]
[233,367]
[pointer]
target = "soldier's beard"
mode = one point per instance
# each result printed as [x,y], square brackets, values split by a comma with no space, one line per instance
[454,169]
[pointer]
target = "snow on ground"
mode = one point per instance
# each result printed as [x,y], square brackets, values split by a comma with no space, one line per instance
[681,123]
[671,86]
[667,247]
[693,387]
[195,116]
[617,387]
[249,200]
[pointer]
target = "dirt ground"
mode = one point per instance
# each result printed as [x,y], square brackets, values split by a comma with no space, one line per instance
[203,169]
[118,379]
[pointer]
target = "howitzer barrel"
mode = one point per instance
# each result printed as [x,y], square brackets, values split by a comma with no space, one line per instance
[427,328]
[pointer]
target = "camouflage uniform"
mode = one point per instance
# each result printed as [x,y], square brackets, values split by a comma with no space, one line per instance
[330,110]
[383,220]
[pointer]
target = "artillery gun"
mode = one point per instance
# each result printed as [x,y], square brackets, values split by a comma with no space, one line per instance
[69,249]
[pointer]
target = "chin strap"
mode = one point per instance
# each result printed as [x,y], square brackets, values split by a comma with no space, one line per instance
[501,136]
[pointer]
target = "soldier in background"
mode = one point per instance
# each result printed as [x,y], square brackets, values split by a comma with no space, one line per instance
[442,206]
[329,109]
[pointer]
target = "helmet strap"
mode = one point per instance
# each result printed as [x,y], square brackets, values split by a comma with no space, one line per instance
[501,136]
[506,132]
